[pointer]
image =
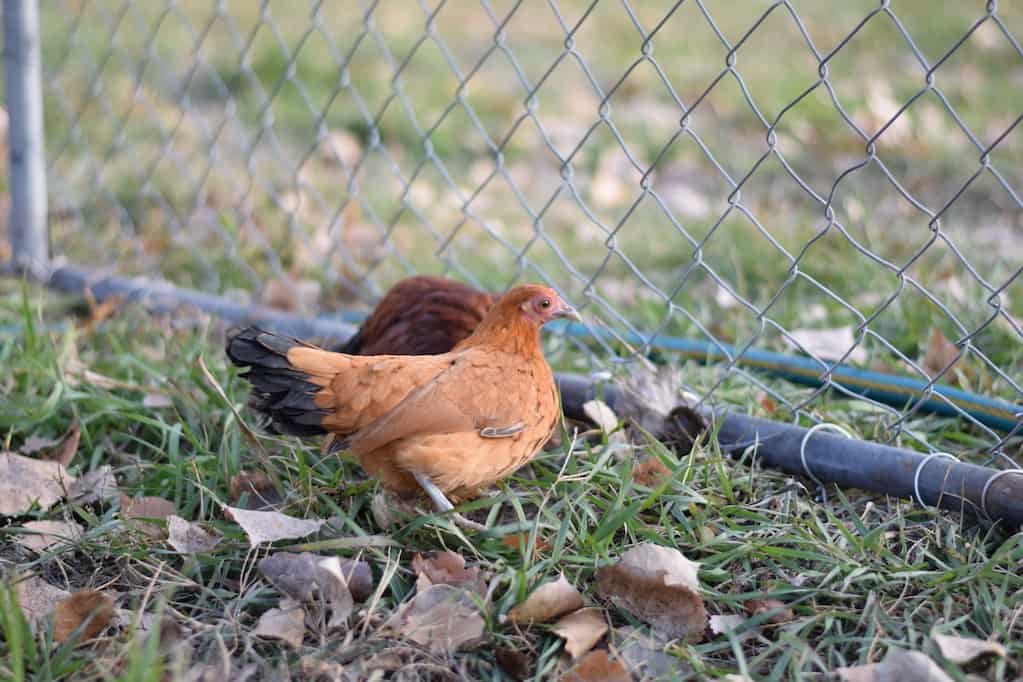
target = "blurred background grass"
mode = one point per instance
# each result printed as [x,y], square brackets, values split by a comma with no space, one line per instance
[304,154]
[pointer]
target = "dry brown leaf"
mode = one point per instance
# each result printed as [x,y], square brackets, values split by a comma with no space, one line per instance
[442,618]
[513,663]
[601,414]
[286,623]
[658,585]
[338,595]
[962,650]
[830,344]
[86,605]
[269,526]
[68,448]
[99,484]
[941,353]
[34,444]
[581,630]
[139,513]
[45,534]
[651,472]
[304,577]
[25,481]
[38,598]
[783,614]
[546,603]
[521,541]
[254,491]
[898,666]
[597,666]
[727,624]
[447,568]
[643,653]
[190,538]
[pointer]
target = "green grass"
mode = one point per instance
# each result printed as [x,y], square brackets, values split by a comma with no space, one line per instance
[144,177]
[862,573]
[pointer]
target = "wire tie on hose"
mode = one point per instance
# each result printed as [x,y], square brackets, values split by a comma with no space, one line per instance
[825,426]
[987,488]
[920,468]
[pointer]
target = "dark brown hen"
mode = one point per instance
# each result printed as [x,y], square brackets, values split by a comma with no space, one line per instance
[420,315]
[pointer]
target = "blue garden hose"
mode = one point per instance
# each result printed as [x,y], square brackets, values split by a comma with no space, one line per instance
[898,391]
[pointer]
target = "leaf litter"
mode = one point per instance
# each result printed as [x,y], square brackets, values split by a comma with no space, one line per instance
[90,610]
[581,630]
[46,534]
[659,586]
[25,482]
[270,526]
[190,538]
[547,602]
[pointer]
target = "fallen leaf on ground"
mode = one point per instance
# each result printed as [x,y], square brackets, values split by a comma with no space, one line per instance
[34,444]
[447,568]
[38,598]
[86,605]
[601,414]
[513,663]
[657,585]
[253,490]
[441,618]
[338,596]
[139,513]
[783,614]
[581,630]
[303,576]
[941,353]
[830,344]
[99,484]
[728,624]
[653,402]
[521,541]
[45,534]
[961,650]
[68,448]
[25,481]
[190,538]
[643,652]
[269,526]
[546,603]
[651,472]
[597,666]
[286,623]
[898,666]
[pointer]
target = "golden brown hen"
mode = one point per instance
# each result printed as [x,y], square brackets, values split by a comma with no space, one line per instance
[447,423]
[421,315]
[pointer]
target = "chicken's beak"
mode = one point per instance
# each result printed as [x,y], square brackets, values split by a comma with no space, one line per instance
[568,312]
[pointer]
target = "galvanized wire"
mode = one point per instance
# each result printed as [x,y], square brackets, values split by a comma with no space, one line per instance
[167,115]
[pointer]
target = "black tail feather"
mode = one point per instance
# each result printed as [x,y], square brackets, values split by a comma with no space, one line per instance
[279,391]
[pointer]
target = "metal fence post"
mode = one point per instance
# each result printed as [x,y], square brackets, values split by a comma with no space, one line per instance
[26,144]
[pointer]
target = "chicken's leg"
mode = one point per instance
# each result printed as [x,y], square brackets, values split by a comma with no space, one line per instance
[442,503]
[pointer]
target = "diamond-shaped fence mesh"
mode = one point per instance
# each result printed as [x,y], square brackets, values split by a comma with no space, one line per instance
[841,182]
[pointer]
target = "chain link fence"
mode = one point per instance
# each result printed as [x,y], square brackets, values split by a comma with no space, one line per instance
[738,182]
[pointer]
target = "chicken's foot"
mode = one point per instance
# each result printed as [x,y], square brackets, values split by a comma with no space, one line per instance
[443,504]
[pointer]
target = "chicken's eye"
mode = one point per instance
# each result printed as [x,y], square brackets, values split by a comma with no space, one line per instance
[545,303]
